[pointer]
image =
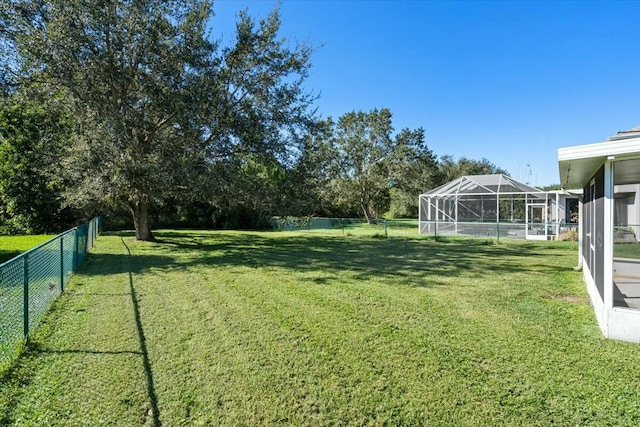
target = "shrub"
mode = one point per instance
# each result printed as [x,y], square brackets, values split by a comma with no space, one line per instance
[569,235]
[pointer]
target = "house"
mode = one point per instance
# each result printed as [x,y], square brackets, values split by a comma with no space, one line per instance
[609,231]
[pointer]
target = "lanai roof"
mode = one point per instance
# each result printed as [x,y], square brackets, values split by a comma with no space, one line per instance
[482,185]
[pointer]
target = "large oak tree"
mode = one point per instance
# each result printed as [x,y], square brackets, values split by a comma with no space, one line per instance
[159,106]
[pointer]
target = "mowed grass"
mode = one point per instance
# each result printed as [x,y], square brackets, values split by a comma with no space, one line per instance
[241,328]
[627,250]
[11,246]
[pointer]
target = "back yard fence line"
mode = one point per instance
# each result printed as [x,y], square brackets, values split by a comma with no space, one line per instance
[346,226]
[30,282]
[412,227]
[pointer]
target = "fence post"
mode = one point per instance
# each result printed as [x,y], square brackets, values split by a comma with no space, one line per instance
[75,249]
[385,228]
[25,295]
[61,263]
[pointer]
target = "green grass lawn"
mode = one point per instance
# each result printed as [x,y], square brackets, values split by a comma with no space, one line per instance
[241,328]
[11,246]
[627,250]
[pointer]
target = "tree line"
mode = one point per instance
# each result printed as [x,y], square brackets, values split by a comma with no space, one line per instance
[133,109]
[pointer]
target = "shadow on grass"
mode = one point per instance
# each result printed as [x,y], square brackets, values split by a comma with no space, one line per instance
[413,262]
[21,373]
[401,259]
[404,261]
[7,255]
[153,398]
[106,264]
[39,348]
[16,378]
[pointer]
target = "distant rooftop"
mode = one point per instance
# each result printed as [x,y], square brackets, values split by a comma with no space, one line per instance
[624,134]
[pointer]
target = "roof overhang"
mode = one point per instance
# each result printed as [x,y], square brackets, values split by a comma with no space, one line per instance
[579,163]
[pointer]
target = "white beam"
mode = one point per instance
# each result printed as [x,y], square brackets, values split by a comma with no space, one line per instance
[608,234]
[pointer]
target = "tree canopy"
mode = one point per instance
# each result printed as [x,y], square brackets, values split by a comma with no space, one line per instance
[133,106]
[362,148]
[370,164]
[157,104]
[32,135]
[451,169]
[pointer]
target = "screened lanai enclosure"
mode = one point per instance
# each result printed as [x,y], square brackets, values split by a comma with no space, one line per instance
[495,206]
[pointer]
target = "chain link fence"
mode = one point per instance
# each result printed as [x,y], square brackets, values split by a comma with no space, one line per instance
[346,226]
[34,279]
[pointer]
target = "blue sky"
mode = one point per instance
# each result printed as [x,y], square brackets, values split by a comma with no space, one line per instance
[507,81]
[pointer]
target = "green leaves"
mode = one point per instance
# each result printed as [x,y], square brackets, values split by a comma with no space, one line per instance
[370,164]
[452,169]
[158,106]
[31,139]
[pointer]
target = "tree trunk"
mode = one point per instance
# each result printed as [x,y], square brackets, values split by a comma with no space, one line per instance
[367,211]
[140,210]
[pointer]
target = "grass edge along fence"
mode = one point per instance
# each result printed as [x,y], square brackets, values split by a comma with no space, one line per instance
[31,281]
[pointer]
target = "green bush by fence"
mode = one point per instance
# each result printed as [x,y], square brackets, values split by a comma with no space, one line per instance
[32,280]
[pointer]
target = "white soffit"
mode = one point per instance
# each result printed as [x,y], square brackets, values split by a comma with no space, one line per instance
[578,163]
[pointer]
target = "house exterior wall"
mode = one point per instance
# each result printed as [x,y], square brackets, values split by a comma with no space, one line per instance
[609,173]
[562,213]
